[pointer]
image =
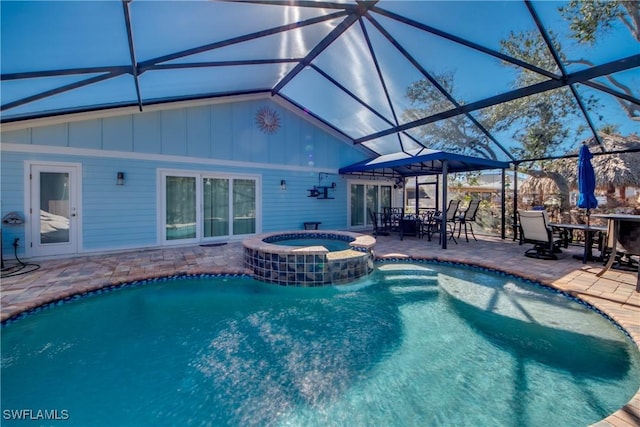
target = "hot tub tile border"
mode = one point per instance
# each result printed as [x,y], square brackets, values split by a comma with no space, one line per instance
[307,267]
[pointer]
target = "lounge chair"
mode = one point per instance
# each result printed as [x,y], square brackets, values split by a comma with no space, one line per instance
[534,228]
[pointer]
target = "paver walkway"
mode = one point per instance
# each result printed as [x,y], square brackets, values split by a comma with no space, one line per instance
[614,293]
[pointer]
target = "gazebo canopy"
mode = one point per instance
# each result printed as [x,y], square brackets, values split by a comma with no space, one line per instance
[423,162]
[477,78]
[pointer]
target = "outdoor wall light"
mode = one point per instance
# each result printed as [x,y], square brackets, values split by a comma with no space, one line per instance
[120,178]
[283,184]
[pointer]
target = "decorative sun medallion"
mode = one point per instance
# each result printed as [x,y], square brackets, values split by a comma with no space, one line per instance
[268,120]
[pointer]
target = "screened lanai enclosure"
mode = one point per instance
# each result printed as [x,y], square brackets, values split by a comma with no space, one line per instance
[519,83]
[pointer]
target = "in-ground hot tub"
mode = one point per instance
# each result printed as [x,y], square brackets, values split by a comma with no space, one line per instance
[272,259]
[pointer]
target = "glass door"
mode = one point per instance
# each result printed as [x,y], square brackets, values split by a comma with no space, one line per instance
[216,207]
[365,197]
[180,208]
[372,202]
[357,205]
[385,196]
[244,206]
[54,209]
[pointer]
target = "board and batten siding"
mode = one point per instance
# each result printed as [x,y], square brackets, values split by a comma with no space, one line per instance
[217,139]
[12,195]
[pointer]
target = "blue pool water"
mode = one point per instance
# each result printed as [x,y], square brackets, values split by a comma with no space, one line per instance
[332,245]
[413,344]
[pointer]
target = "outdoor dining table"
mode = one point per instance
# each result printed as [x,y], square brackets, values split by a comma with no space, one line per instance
[588,230]
[624,230]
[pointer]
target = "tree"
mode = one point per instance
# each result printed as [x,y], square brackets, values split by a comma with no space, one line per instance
[540,122]
[457,133]
[588,19]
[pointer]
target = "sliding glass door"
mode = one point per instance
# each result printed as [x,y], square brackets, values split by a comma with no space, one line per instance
[216,207]
[200,207]
[357,205]
[180,208]
[365,197]
[244,206]
[372,201]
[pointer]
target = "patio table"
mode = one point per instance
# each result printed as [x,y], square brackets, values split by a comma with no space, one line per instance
[624,230]
[589,231]
[410,225]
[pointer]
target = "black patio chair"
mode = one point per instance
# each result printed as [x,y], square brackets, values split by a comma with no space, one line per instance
[468,217]
[450,219]
[427,223]
[377,228]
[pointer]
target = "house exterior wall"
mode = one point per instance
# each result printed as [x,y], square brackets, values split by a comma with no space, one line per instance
[215,138]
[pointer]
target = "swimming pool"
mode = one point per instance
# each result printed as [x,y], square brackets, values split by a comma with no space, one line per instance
[413,344]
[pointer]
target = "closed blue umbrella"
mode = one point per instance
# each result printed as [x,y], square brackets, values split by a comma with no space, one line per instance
[586,189]
[586,181]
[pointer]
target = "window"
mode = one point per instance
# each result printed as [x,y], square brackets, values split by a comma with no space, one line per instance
[200,207]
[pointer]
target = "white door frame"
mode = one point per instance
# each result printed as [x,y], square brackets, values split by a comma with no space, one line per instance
[33,246]
[161,179]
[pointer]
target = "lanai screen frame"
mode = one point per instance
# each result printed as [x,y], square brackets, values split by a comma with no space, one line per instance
[135,60]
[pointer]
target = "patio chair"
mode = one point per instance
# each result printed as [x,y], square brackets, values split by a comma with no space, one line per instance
[450,217]
[468,217]
[394,217]
[378,229]
[534,228]
[427,223]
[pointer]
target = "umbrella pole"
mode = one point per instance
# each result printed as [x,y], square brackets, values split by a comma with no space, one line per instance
[587,237]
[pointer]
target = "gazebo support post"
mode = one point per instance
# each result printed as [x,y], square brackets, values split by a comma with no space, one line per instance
[417,197]
[437,191]
[443,220]
[515,201]
[503,206]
